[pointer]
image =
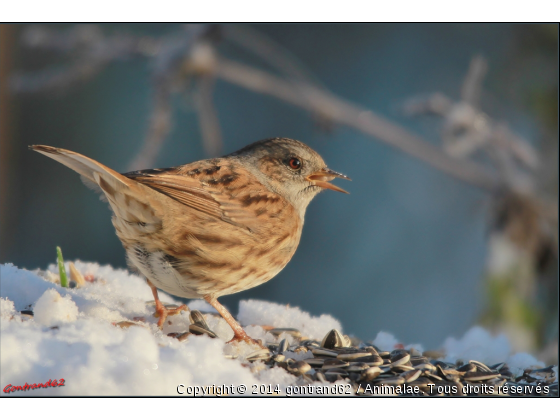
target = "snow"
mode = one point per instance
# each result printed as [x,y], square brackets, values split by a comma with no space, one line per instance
[385,340]
[73,336]
[520,361]
[478,344]
[52,309]
[283,316]
[7,309]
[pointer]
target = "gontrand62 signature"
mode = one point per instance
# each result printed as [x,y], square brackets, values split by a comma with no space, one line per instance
[50,383]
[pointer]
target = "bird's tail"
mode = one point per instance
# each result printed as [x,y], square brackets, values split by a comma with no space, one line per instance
[129,199]
[86,167]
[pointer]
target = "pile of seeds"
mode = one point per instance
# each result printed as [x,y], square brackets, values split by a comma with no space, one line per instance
[373,371]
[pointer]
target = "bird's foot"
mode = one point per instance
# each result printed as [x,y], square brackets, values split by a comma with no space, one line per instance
[244,337]
[162,312]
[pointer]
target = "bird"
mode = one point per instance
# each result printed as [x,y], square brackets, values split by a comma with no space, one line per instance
[213,227]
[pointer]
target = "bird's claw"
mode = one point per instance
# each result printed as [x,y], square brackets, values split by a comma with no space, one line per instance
[162,313]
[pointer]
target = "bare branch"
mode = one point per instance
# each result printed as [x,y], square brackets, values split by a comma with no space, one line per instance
[467,130]
[160,125]
[270,51]
[436,104]
[91,51]
[208,117]
[344,112]
[472,86]
[55,80]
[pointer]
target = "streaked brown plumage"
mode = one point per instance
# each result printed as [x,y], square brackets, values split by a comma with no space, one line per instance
[213,227]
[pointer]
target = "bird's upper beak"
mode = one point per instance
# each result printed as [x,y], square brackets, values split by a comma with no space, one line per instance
[321,178]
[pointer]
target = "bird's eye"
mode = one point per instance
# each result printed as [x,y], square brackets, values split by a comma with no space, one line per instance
[294,163]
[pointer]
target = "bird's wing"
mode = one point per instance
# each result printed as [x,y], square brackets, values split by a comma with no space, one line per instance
[220,190]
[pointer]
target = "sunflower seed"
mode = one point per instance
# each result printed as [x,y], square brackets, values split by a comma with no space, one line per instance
[497,382]
[370,360]
[440,372]
[291,331]
[299,368]
[400,359]
[371,350]
[310,343]
[432,354]
[354,377]
[418,360]
[395,380]
[422,382]
[335,339]
[182,337]
[335,363]
[198,330]
[26,315]
[357,367]
[319,351]
[442,365]
[469,367]
[315,362]
[127,324]
[480,366]
[333,377]
[283,346]
[278,358]
[76,276]
[336,371]
[401,368]
[299,349]
[433,377]
[320,376]
[197,318]
[480,376]
[261,354]
[426,367]
[497,366]
[544,373]
[371,373]
[411,375]
[352,356]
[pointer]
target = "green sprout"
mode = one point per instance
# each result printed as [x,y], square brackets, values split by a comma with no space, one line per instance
[61,269]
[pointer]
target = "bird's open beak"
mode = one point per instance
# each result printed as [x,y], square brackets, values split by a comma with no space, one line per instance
[321,179]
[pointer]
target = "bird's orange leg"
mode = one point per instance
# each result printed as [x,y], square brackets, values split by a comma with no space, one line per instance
[161,311]
[239,333]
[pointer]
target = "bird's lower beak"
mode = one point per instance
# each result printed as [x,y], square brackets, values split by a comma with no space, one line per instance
[321,179]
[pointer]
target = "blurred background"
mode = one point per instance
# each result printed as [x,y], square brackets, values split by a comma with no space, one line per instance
[449,132]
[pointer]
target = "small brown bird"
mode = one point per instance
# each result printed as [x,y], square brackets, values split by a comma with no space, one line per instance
[213,227]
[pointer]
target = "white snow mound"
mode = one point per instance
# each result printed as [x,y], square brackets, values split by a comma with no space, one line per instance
[76,337]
